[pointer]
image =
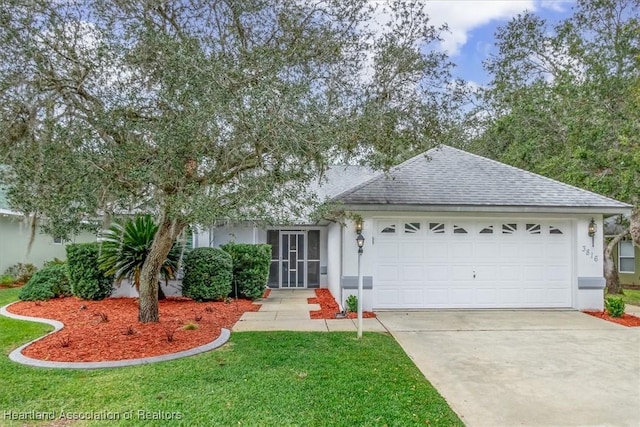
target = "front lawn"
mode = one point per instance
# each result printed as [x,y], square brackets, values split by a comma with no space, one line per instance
[631,296]
[258,378]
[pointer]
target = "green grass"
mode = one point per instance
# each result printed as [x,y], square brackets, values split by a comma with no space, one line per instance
[258,378]
[631,296]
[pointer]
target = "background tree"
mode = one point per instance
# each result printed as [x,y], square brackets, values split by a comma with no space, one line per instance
[562,104]
[195,110]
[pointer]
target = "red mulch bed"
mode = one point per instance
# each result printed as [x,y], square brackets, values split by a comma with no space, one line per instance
[329,307]
[625,320]
[86,337]
[266,293]
[11,285]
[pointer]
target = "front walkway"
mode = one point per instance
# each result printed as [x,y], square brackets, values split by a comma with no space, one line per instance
[288,310]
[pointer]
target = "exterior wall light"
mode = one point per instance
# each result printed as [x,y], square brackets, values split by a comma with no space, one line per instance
[592,230]
[359,226]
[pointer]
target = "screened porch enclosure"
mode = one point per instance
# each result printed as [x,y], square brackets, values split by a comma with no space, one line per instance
[295,258]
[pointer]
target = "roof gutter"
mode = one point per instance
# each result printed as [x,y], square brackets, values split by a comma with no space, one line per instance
[607,210]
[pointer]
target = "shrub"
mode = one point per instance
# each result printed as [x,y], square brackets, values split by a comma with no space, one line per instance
[125,247]
[250,268]
[55,261]
[7,279]
[614,306]
[207,274]
[50,282]
[21,272]
[352,304]
[87,281]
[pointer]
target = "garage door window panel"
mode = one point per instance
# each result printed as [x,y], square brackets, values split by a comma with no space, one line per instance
[457,229]
[411,228]
[553,230]
[486,230]
[437,227]
[509,228]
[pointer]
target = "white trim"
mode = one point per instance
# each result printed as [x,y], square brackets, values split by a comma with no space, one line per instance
[620,257]
[490,209]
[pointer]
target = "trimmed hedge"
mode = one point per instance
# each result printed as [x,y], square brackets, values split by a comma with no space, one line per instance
[207,274]
[87,280]
[50,282]
[250,268]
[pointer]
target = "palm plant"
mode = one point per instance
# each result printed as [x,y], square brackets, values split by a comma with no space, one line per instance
[125,246]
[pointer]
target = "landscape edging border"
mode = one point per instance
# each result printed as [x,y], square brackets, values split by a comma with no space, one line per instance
[17,356]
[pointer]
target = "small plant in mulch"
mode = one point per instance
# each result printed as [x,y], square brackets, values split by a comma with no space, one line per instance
[102,317]
[614,306]
[352,304]
[170,331]
[129,330]
[228,300]
[190,326]
[64,342]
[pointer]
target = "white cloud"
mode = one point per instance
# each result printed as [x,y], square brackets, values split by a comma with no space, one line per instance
[462,16]
[557,5]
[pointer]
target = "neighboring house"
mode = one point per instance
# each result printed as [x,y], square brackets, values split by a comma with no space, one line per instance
[445,229]
[15,233]
[626,255]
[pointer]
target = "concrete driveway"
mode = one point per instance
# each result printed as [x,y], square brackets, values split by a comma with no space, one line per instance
[531,368]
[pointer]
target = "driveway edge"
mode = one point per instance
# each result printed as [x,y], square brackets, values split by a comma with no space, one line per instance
[17,356]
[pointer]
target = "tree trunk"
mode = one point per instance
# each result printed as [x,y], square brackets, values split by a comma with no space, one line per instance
[634,228]
[161,294]
[162,242]
[610,269]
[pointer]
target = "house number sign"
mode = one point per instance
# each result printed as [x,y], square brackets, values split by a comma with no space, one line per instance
[590,253]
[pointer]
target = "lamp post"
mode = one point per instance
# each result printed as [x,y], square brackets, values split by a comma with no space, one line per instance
[360,242]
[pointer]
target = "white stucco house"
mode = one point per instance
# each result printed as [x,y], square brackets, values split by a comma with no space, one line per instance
[15,233]
[445,229]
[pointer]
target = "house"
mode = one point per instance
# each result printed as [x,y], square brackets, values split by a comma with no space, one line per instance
[15,232]
[445,229]
[626,256]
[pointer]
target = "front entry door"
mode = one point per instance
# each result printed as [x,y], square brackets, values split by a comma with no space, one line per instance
[292,272]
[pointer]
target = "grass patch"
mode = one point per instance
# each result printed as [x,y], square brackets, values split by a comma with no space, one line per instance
[259,378]
[631,296]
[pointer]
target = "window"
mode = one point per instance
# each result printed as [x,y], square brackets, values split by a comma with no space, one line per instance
[459,230]
[389,229]
[487,230]
[533,228]
[554,230]
[436,227]
[509,228]
[411,227]
[626,257]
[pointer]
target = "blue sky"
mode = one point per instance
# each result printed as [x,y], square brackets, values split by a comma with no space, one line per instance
[472,24]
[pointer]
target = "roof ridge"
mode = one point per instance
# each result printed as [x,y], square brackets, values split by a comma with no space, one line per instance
[573,187]
[382,174]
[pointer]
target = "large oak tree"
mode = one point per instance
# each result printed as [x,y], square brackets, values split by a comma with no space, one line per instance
[198,110]
[562,103]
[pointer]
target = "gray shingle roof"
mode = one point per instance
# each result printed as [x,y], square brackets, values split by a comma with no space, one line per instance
[340,178]
[446,176]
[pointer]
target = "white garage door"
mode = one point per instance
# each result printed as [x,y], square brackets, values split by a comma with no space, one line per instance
[431,263]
